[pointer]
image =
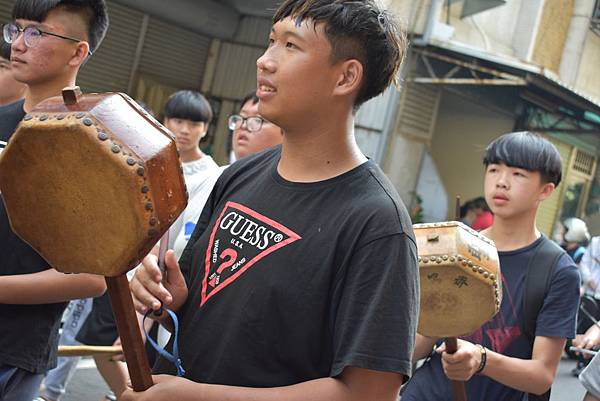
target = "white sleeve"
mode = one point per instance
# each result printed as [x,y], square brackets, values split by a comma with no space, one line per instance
[587,261]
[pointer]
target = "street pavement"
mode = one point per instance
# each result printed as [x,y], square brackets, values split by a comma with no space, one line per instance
[87,384]
[566,387]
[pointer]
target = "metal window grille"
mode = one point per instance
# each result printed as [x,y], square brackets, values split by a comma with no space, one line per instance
[584,163]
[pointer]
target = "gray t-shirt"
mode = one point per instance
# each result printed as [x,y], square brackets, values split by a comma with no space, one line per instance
[590,377]
[200,177]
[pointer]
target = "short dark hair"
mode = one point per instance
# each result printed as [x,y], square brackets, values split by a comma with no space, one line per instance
[94,11]
[464,209]
[480,203]
[188,105]
[4,50]
[249,97]
[356,29]
[528,151]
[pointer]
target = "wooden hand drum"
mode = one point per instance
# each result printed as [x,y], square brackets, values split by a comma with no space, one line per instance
[461,286]
[91,185]
[91,182]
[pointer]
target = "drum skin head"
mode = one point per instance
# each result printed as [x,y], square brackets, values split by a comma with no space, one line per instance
[461,286]
[91,186]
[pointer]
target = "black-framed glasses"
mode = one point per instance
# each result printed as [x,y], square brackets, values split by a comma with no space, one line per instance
[31,35]
[253,124]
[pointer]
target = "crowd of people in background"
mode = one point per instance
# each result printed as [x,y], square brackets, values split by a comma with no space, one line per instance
[307,103]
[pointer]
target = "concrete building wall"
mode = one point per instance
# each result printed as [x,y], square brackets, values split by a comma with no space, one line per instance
[491,30]
[552,33]
[461,134]
[526,28]
[411,13]
[411,136]
[403,164]
[587,78]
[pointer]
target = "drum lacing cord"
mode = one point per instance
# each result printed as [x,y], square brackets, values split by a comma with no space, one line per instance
[174,357]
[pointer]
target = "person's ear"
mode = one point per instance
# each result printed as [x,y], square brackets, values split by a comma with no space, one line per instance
[349,78]
[205,130]
[80,55]
[546,190]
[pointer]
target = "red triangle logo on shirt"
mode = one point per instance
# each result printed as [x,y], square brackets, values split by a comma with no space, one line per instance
[502,337]
[240,238]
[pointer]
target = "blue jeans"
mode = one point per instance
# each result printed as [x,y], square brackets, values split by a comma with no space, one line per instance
[18,384]
[57,378]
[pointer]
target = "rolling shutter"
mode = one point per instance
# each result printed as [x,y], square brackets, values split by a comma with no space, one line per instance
[174,56]
[6,11]
[109,69]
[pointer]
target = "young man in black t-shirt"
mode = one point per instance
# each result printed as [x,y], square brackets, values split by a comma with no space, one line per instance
[300,281]
[50,41]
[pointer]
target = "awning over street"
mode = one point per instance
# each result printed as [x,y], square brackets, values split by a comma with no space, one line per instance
[447,63]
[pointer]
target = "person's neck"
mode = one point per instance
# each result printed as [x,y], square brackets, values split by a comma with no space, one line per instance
[513,233]
[319,152]
[191,155]
[36,93]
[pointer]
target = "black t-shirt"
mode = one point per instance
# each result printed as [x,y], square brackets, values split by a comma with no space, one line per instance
[100,327]
[28,333]
[12,114]
[290,282]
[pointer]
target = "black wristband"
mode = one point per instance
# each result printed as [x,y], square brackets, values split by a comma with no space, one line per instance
[483,359]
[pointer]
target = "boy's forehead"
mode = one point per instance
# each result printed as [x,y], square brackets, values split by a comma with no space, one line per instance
[182,120]
[303,28]
[504,164]
[27,22]
[53,24]
[249,108]
[60,20]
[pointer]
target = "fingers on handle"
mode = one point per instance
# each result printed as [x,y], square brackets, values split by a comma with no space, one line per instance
[172,265]
[148,294]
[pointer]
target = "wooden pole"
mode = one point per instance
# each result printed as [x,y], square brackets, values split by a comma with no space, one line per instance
[129,331]
[458,387]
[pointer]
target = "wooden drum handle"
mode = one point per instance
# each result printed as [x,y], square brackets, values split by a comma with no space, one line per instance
[129,331]
[458,387]
[162,250]
[87,350]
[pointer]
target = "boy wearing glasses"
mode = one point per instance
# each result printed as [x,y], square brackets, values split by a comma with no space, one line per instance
[300,281]
[251,132]
[50,40]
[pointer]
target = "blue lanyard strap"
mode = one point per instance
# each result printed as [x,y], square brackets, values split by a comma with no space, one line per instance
[174,357]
